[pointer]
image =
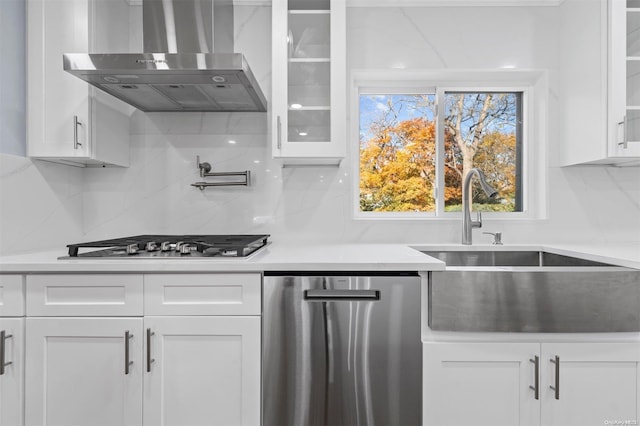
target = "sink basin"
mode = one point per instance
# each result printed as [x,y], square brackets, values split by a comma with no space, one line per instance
[531,291]
[508,258]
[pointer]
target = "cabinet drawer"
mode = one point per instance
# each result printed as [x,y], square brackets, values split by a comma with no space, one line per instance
[84,295]
[11,295]
[202,294]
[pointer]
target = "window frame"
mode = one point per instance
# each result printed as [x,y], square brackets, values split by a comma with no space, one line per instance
[534,88]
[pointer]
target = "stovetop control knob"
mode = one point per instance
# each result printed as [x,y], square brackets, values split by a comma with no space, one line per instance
[185,249]
[151,246]
[132,249]
[165,246]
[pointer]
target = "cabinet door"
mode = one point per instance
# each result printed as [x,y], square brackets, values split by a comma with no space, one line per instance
[58,102]
[597,383]
[77,372]
[480,384]
[624,84]
[309,89]
[202,371]
[12,374]
[69,121]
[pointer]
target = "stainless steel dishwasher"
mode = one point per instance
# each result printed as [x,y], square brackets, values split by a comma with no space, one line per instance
[341,349]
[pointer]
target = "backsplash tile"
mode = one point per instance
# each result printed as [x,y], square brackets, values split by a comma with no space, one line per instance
[40,204]
[47,205]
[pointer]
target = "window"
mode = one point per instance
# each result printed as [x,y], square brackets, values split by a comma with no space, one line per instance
[397,153]
[417,143]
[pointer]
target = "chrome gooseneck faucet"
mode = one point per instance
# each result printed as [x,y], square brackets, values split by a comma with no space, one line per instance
[467,223]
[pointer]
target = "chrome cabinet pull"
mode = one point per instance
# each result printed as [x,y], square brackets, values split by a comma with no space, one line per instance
[556,388]
[536,381]
[624,132]
[127,362]
[76,140]
[149,359]
[329,295]
[279,132]
[3,336]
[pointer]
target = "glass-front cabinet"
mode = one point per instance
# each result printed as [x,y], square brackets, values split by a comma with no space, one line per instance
[624,92]
[309,87]
[600,82]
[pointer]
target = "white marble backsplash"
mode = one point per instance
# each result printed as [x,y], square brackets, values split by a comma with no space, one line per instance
[40,204]
[46,205]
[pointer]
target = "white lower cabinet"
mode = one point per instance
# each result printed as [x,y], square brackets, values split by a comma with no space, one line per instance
[11,371]
[87,356]
[598,384]
[480,384]
[84,371]
[495,384]
[202,371]
[95,357]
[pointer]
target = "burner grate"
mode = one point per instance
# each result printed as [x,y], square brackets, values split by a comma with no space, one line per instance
[241,245]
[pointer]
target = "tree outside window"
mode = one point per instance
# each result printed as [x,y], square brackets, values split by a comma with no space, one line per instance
[400,162]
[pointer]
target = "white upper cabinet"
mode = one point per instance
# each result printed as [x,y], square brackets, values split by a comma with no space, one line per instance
[600,82]
[624,89]
[309,88]
[69,121]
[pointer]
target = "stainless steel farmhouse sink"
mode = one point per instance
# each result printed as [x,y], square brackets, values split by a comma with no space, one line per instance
[531,291]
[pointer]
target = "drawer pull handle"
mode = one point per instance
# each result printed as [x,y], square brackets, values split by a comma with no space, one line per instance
[3,336]
[346,295]
[127,363]
[556,388]
[149,359]
[536,381]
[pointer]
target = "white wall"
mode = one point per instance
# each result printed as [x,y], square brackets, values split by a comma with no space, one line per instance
[154,195]
[294,204]
[40,203]
[12,77]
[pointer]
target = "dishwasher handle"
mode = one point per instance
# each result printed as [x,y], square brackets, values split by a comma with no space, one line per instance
[341,295]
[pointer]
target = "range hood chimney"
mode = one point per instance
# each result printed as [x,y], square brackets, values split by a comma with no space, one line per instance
[191,65]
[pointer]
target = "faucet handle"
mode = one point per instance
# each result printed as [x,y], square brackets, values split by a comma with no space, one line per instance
[497,238]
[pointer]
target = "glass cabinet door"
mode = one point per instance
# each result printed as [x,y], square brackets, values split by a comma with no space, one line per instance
[633,71]
[309,71]
[309,89]
[625,77]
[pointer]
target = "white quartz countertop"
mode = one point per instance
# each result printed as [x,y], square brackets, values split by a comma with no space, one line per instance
[618,254]
[274,257]
[317,257]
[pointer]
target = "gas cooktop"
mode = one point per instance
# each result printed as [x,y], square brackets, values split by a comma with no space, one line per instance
[170,246]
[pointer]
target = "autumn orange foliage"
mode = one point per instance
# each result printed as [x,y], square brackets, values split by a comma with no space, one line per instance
[398,168]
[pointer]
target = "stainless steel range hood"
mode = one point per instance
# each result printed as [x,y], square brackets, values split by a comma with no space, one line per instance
[182,73]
